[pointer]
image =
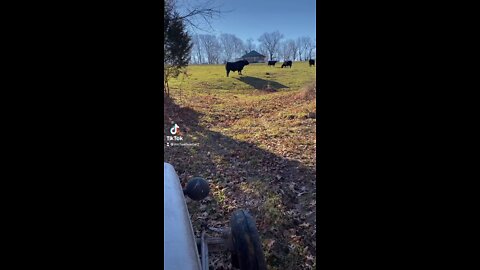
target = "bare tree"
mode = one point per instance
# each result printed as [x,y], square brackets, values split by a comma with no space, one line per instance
[226,41]
[197,15]
[212,48]
[305,44]
[292,45]
[314,52]
[238,47]
[284,51]
[301,47]
[300,42]
[249,45]
[288,49]
[262,49]
[197,52]
[310,47]
[232,46]
[271,42]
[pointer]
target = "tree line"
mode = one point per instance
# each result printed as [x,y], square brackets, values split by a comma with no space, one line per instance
[212,49]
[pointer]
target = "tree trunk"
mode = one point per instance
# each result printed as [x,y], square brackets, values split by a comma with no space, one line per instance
[166,88]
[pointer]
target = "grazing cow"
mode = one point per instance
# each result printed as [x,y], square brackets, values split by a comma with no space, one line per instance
[272,63]
[311,62]
[287,63]
[236,66]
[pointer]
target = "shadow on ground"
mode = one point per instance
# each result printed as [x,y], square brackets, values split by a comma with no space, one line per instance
[258,83]
[252,178]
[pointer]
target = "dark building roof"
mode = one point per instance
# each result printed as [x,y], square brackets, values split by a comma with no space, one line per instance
[253,54]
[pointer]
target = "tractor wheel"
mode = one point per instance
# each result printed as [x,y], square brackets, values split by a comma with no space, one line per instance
[247,251]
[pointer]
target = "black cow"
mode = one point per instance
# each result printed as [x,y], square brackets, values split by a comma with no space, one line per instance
[311,62]
[236,66]
[287,63]
[272,63]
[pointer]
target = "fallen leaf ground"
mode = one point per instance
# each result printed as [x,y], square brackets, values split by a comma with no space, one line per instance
[257,148]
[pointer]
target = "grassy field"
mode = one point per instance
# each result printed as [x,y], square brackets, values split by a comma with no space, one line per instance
[257,148]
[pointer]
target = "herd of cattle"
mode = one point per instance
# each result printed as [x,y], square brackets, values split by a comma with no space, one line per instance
[239,65]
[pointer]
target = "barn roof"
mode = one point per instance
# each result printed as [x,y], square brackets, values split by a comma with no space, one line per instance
[253,54]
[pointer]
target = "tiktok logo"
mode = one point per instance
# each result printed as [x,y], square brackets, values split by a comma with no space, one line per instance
[174,129]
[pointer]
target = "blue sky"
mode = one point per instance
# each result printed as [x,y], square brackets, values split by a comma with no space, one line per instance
[251,18]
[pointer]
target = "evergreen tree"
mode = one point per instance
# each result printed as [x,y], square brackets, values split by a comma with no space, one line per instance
[176,44]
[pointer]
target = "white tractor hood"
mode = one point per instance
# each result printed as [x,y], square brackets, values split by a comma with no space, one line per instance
[180,250]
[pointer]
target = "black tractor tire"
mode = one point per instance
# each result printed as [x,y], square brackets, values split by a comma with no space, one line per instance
[247,251]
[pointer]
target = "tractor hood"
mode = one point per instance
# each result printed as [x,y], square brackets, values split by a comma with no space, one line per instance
[180,249]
